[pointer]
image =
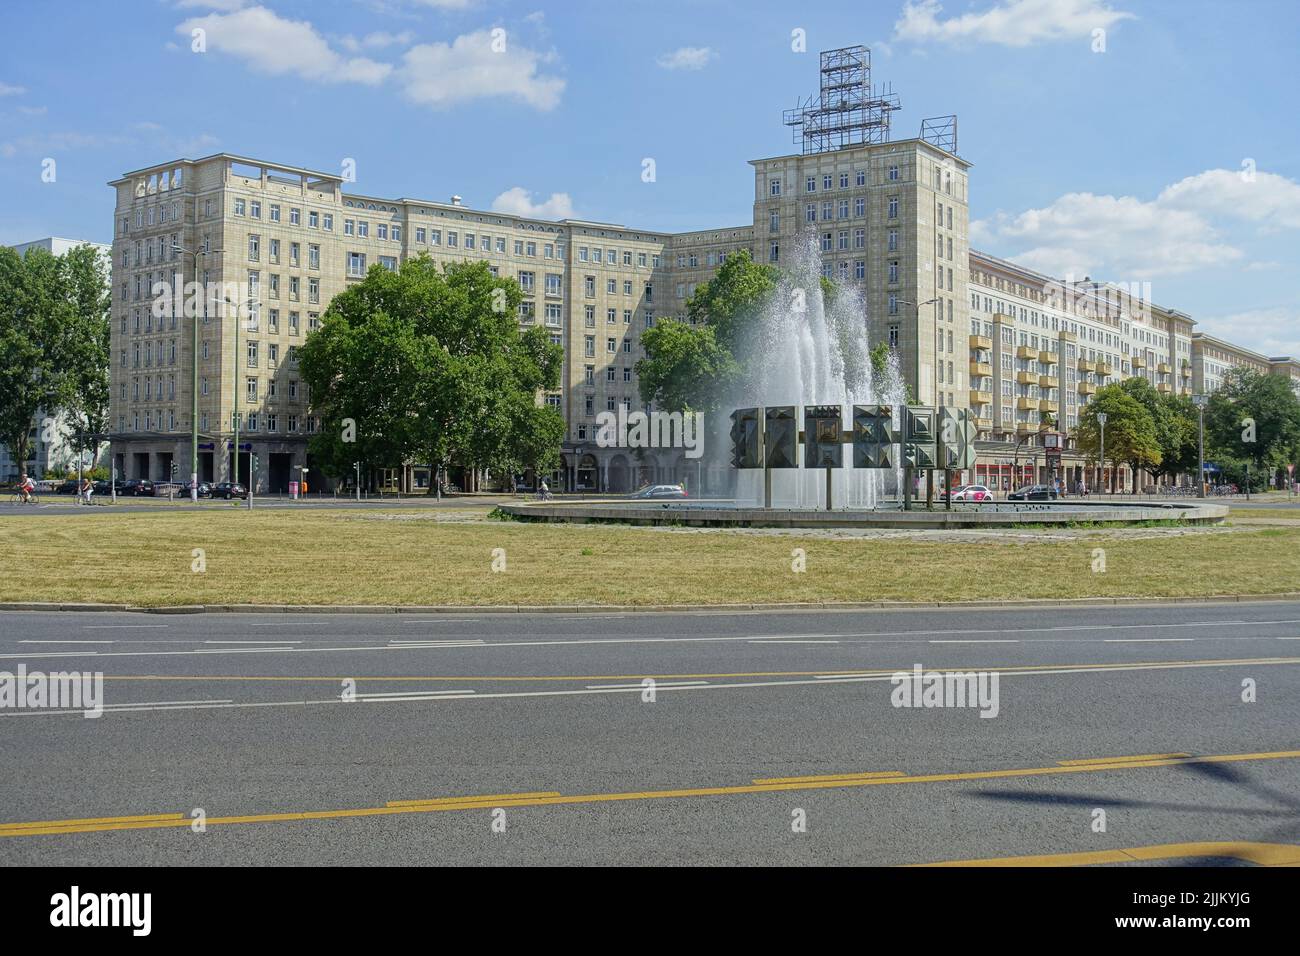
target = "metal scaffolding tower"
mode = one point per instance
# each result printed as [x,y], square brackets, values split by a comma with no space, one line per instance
[941,131]
[847,111]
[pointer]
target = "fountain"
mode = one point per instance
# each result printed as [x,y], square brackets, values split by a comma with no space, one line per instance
[809,351]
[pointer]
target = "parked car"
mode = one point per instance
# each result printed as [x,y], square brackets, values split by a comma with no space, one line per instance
[102,486]
[972,493]
[1033,493]
[69,487]
[229,489]
[205,489]
[137,488]
[660,491]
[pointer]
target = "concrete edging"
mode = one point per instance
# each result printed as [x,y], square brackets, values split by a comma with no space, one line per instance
[628,608]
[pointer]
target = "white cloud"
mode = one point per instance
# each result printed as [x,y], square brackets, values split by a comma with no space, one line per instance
[1273,331]
[1015,23]
[8,90]
[1266,198]
[376,41]
[1189,226]
[225,6]
[33,110]
[687,58]
[441,75]
[1124,237]
[519,202]
[276,46]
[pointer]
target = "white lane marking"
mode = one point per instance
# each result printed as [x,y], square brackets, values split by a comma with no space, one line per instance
[657,684]
[272,643]
[402,700]
[108,627]
[288,624]
[158,703]
[979,641]
[818,681]
[782,640]
[66,642]
[1148,640]
[414,693]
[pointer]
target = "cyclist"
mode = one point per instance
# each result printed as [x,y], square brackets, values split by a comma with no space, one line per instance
[87,489]
[26,487]
[545,493]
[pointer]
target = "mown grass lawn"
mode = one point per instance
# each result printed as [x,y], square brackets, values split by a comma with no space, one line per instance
[318,557]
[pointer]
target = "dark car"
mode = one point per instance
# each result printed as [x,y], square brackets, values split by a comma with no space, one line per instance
[69,487]
[102,486]
[229,489]
[660,491]
[137,488]
[1033,493]
[205,489]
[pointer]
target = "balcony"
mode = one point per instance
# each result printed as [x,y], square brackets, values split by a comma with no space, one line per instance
[1047,358]
[1087,388]
[1087,366]
[1047,405]
[1138,362]
[1048,381]
[1025,352]
[1027,378]
[1105,369]
[1026,428]
[1027,404]
[1186,371]
[980,370]
[984,424]
[1163,368]
[981,342]
[1164,388]
[978,397]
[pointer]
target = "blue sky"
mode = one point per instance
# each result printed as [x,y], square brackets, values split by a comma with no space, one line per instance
[1171,156]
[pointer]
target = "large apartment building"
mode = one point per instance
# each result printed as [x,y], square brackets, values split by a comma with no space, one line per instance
[1023,350]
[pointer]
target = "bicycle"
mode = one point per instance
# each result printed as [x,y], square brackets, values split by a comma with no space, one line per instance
[544,496]
[17,498]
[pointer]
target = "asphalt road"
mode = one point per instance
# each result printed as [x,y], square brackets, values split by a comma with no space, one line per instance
[243,717]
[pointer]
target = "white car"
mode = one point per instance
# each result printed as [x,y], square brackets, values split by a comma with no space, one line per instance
[972,493]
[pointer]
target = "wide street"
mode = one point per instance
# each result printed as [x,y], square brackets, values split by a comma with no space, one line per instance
[756,723]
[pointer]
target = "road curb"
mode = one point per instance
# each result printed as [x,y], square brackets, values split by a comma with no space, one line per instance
[643,608]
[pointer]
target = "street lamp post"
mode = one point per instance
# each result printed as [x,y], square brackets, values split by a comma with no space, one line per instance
[1101,457]
[907,472]
[194,361]
[1200,401]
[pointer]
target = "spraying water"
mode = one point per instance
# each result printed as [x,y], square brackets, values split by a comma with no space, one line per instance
[813,352]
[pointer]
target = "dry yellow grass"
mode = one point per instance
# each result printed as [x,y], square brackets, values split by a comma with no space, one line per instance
[320,557]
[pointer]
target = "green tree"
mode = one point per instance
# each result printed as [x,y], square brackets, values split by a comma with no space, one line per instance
[1174,429]
[1130,430]
[431,365]
[691,366]
[1253,417]
[54,332]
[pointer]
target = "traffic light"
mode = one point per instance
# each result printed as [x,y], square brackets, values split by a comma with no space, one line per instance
[173,470]
[821,438]
[746,438]
[873,436]
[918,437]
[956,439]
[781,437]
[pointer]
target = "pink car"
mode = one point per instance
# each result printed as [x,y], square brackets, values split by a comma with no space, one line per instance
[972,493]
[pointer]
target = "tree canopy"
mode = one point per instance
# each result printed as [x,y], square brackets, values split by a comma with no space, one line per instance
[54,342]
[431,366]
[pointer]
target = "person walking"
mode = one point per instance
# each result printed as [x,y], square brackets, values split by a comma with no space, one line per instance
[87,489]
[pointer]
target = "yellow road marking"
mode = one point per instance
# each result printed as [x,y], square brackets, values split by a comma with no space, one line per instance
[833,776]
[521,800]
[1260,854]
[830,672]
[488,798]
[152,817]
[1143,757]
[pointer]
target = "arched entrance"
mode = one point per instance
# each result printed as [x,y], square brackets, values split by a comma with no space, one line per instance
[619,474]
